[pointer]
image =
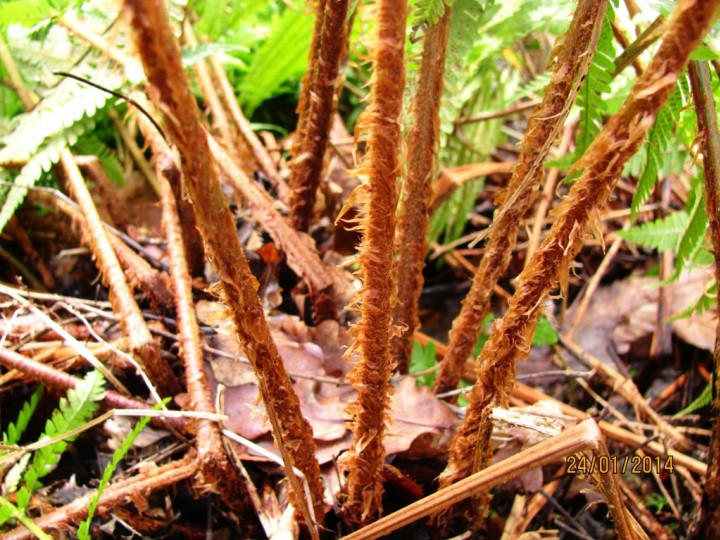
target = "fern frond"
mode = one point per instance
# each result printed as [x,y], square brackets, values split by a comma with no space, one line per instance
[31,12]
[92,146]
[34,169]
[73,411]
[9,510]
[83,531]
[657,146]
[428,12]
[16,429]
[281,57]
[661,234]
[597,82]
[706,302]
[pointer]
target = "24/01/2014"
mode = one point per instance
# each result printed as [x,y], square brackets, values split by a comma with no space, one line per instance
[582,464]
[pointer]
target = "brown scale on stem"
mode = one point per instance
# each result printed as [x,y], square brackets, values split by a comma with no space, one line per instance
[572,61]
[410,243]
[160,54]
[371,375]
[602,164]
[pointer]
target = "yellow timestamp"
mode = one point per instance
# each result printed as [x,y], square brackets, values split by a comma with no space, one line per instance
[582,464]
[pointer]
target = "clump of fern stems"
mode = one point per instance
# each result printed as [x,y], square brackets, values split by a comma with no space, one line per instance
[601,165]
[160,54]
[571,65]
[377,297]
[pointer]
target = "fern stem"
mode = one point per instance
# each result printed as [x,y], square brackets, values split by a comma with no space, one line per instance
[546,121]
[602,164]
[702,91]
[217,475]
[160,53]
[316,109]
[372,333]
[410,242]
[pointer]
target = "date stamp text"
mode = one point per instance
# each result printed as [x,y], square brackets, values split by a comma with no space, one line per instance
[585,465]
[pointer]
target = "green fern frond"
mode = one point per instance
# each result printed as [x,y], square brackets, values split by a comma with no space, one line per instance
[15,429]
[83,531]
[657,146]
[92,146]
[429,11]
[9,510]
[73,411]
[661,234]
[283,56]
[706,302]
[31,12]
[31,172]
[590,98]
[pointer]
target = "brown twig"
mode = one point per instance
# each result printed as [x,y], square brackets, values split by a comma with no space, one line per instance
[160,54]
[134,489]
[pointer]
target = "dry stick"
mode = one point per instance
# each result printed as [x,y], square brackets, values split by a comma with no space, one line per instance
[602,163]
[160,53]
[259,151]
[710,146]
[371,375]
[16,230]
[217,475]
[413,215]
[138,488]
[580,438]
[131,319]
[627,389]
[54,378]
[545,123]
[316,107]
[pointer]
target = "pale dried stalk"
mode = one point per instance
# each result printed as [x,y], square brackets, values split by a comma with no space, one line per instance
[546,121]
[316,107]
[371,375]
[710,148]
[413,215]
[602,163]
[160,54]
[131,320]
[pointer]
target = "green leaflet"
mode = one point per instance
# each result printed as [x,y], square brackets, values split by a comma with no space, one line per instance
[423,358]
[31,12]
[83,531]
[92,146]
[283,56]
[429,11]
[590,98]
[73,411]
[658,144]
[15,429]
[661,234]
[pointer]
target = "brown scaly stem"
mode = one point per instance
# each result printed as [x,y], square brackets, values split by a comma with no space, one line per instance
[216,474]
[54,378]
[602,164]
[709,521]
[546,121]
[371,375]
[139,487]
[410,242]
[316,107]
[160,54]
